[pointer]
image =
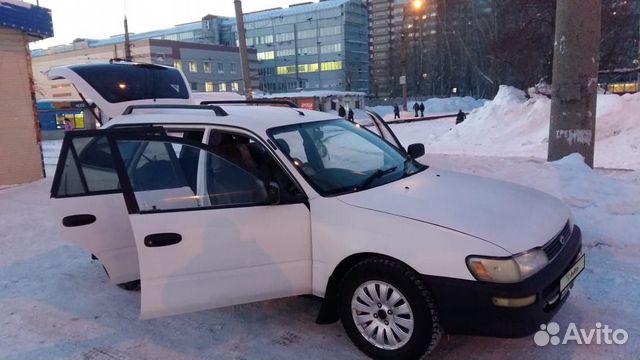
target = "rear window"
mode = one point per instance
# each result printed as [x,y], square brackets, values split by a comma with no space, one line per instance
[129,82]
[88,168]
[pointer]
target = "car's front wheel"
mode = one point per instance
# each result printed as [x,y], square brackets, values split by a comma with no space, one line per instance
[387,311]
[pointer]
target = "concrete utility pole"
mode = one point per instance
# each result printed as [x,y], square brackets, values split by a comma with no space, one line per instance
[244,55]
[127,42]
[575,79]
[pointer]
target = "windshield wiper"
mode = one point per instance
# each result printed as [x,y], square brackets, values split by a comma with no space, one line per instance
[377,174]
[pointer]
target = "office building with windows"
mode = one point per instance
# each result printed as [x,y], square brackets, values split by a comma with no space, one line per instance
[304,46]
[438,46]
[311,46]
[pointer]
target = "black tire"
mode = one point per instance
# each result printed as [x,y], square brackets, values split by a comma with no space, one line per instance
[426,328]
[133,285]
[130,286]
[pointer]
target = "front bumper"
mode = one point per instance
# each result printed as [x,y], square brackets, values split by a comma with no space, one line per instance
[466,306]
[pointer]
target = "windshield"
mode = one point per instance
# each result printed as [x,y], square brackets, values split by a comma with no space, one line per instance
[338,157]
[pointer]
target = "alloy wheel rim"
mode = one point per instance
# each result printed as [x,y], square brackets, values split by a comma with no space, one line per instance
[382,314]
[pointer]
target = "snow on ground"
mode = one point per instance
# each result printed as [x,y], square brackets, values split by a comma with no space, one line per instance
[57,303]
[433,106]
[512,125]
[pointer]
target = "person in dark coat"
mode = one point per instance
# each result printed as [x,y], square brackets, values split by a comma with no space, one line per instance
[350,115]
[421,109]
[416,108]
[460,117]
[342,112]
[396,111]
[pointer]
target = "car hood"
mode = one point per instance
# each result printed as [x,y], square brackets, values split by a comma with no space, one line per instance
[513,217]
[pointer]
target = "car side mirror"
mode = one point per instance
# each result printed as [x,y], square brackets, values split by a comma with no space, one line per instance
[415,150]
[273,193]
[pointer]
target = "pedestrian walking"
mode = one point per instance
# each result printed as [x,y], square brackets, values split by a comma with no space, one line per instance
[350,115]
[67,125]
[416,108]
[460,117]
[342,112]
[421,109]
[396,111]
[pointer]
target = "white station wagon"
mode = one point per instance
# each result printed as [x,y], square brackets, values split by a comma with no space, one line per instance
[214,205]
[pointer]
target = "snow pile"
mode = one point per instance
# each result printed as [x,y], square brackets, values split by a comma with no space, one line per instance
[514,125]
[608,210]
[433,106]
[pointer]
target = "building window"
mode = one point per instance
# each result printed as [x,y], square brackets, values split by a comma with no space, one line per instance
[331,66]
[308,68]
[309,50]
[331,48]
[266,55]
[194,86]
[77,120]
[306,34]
[234,86]
[223,87]
[285,70]
[208,86]
[234,68]
[206,67]
[284,37]
[285,52]
[331,30]
[220,68]
[193,66]
[177,64]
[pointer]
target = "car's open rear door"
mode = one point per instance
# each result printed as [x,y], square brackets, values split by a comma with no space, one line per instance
[88,205]
[207,233]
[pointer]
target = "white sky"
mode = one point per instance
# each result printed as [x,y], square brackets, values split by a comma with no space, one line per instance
[98,19]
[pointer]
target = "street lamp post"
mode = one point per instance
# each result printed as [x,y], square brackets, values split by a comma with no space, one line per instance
[418,6]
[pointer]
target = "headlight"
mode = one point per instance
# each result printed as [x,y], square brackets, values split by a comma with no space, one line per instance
[507,270]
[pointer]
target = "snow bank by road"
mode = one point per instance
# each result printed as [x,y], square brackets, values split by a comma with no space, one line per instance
[512,125]
[433,106]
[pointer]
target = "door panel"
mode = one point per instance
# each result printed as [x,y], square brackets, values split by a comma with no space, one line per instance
[225,257]
[109,237]
[234,246]
[88,205]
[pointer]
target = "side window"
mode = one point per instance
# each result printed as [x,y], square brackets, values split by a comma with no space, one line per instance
[174,175]
[69,181]
[96,163]
[252,157]
[88,168]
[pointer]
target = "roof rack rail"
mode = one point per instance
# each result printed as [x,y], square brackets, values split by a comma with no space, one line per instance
[216,109]
[288,103]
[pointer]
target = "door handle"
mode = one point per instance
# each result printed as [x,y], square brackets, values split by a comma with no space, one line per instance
[78,220]
[162,239]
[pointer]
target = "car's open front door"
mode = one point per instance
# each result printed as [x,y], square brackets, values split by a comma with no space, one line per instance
[209,230]
[376,124]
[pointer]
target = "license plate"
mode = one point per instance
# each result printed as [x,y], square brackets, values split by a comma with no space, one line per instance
[575,270]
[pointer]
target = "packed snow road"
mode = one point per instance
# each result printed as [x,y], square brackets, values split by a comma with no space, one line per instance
[57,303]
